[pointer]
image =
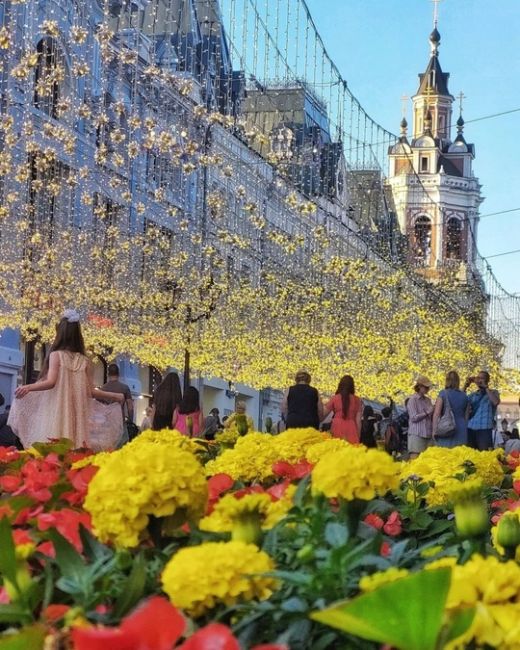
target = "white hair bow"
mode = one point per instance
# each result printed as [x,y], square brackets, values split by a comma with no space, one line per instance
[71,315]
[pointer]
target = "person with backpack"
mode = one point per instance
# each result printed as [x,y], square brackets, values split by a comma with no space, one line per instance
[457,400]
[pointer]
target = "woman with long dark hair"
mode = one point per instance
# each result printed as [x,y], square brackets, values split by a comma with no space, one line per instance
[60,404]
[187,418]
[346,409]
[166,399]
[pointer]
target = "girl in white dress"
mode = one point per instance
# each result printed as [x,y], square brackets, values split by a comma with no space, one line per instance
[63,403]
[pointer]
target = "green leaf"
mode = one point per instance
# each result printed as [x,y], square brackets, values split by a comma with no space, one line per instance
[92,548]
[407,613]
[133,588]
[29,638]
[460,622]
[13,614]
[7,552]
[336,534]
[294,605]
[68,559]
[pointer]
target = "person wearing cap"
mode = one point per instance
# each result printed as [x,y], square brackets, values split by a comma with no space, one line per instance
[420,411]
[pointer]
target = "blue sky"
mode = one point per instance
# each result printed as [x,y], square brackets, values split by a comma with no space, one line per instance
[381,45]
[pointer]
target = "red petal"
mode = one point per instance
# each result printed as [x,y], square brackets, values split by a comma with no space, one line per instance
[102,638]
[54,612]
[218,484]
[212,637]
[156,624]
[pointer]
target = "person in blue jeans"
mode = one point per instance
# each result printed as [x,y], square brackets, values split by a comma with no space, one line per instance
[482,407]
[458,400]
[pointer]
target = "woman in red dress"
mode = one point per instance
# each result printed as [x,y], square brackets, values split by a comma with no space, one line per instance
[347,409]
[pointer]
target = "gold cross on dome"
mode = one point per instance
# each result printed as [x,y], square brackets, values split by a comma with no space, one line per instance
[436,11]
[461,97]
[404,104]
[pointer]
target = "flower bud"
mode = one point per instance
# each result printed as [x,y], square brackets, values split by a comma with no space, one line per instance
[471,518]
[508,531]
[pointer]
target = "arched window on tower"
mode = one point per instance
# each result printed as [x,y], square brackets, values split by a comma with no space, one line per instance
[454,239]
[50,78]
[422,240]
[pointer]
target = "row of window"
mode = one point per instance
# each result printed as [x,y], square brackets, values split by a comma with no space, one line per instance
[422,239]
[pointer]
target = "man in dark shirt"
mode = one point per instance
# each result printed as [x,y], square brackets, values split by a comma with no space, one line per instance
[114,385]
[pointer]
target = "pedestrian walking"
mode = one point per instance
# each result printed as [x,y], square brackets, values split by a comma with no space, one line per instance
[187,417]
[301,404]
[346,408]
[166,399]
[420,410]
[60,404]
[482,407]
[115,385]
[457,400]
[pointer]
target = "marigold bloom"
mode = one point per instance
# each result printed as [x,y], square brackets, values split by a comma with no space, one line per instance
[355,472]
[444,467]
[142,479]
[198,578]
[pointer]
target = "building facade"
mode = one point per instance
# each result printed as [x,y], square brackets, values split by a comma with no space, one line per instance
[159,62]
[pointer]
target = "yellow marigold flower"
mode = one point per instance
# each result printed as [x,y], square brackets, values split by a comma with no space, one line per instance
[139,481]
[355,473]
[315,452]
[446,467]
[167,437]
[380,578]
[292,444]
[228,437]
[198,578]
[230,512]
[250,460]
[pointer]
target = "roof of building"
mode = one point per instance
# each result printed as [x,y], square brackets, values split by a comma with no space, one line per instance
[434,80]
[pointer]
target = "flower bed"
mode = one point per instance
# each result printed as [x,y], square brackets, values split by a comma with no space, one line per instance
[294,541]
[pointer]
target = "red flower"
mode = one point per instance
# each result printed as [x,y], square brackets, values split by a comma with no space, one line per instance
[21,536]
[374,520]
[278,490]
[10,482]
[219,484]
[156,625]
[4,596]
[47,548]
[516,486]
[294,471]
[214,636]
[102,638]
[38,475]
[9,454]
[27,513]
[67,523]
[53,613]
[385,549]
[393,524]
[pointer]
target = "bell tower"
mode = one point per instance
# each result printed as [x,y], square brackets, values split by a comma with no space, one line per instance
[435,192]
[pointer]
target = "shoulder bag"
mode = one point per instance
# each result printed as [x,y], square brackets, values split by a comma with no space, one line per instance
[446,426]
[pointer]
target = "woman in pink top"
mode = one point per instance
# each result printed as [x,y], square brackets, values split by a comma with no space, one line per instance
[187,417]
[347,409]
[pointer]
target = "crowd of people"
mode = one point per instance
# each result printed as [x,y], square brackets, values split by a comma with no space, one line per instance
[64,402]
